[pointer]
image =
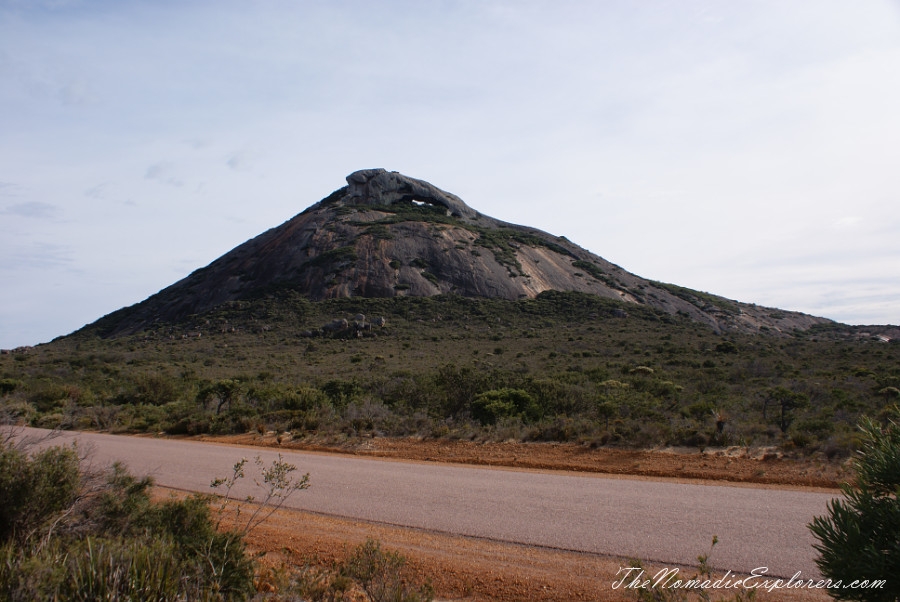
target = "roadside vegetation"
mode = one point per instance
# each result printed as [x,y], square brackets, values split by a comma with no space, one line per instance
[859,537]
[562,367]
[71,533]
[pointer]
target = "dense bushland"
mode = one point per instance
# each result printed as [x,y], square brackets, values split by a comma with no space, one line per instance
[562,367]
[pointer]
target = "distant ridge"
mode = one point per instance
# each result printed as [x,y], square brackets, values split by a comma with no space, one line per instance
[388,235]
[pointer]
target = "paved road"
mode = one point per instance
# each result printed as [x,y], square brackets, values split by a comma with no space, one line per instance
[660,521]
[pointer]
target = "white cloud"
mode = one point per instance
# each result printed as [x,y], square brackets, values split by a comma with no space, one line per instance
[37,256]
[164,172]
[848,221]
[241,160]
[33,209]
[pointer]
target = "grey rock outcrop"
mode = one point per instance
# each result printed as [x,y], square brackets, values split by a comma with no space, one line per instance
[336,325]
[381,187]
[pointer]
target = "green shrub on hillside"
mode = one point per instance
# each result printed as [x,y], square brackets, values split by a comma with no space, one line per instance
[8,385]
[491,406]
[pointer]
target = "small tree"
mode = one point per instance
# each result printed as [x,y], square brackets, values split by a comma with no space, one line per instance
[277,483]
[860,537]
[787,401]
[223,392]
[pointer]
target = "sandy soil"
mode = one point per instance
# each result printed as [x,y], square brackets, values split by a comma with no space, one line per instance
[471,569]
[462,568]
[734,464]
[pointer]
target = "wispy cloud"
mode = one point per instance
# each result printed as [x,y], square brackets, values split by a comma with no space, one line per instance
[44,4]
[8,189]
[75,92]
[849,221]
[165,173]
[240,160]
[33,209]
[98,192]
[38,256]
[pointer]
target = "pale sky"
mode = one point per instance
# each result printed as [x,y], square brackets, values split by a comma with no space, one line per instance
[747,148]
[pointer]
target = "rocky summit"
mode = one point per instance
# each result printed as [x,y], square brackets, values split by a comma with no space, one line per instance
[387,235]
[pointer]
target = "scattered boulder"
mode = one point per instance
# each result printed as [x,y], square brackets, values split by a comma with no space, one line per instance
[336,326]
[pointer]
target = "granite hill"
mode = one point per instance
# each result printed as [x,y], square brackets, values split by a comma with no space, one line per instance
[389,235]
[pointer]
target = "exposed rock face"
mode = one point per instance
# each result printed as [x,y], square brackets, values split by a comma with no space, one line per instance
[380,187]
[387,235]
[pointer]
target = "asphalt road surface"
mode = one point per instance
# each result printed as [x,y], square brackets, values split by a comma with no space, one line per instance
[654,520]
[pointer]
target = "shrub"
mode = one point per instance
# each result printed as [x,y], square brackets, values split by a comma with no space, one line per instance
[66,534]
[131,417]
[334,258]
[889,392]
[380,573]
[8,385]
[341,392]
[110,569]
[492,405]
[214,558]
[155,389]
[727,347]
[859,539]
[34,490]
[49,398]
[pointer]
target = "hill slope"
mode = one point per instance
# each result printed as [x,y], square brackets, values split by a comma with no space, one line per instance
[388,235]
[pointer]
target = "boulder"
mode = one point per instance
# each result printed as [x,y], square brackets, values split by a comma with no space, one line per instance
[382,187]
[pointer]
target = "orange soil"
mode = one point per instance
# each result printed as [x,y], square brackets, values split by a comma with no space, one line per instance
[734,464]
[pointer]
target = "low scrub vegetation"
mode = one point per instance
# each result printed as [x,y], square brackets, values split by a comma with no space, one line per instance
[561,367]
[71,534]
[68,533]
[380,575]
